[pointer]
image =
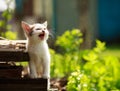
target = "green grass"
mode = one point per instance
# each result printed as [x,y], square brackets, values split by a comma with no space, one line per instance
[113,50]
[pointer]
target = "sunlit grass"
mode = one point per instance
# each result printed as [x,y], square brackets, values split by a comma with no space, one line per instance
[113,50]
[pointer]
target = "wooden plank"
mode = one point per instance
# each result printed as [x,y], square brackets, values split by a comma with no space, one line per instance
[38,84]
[13,45]
[17,56]
[13,41]
[10,71]
[13,50]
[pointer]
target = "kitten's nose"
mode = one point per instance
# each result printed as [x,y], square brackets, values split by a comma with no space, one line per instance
[43,31]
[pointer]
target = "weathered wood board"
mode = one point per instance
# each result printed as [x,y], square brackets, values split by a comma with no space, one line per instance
[23,84]
[15,51]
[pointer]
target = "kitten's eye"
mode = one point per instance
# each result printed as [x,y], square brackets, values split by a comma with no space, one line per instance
[44,28]
[39,29]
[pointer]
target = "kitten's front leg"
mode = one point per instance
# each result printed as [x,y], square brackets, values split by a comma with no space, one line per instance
[46,67]
[46,70]
[33,73]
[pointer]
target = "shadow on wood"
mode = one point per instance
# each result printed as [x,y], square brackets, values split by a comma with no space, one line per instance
[23,84]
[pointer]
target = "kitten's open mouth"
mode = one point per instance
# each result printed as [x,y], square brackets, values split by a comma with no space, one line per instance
[41,35]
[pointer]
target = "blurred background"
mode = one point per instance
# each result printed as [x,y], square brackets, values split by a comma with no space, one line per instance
[73,24]
[97,19]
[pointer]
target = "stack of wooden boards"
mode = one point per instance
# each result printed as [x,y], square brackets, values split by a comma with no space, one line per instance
[10,74]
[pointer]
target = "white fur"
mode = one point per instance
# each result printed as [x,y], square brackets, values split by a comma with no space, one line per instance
[37,47]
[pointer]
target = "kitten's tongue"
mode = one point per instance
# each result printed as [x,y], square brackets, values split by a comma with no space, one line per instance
[41,36]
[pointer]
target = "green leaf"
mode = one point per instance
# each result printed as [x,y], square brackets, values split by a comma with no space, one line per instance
[11,35]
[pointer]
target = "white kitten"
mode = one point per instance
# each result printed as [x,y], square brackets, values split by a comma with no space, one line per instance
[37,35]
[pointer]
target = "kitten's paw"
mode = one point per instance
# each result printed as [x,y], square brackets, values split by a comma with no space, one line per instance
[33,76]
[46,76]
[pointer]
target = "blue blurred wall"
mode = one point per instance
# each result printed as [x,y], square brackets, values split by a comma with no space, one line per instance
[109,20]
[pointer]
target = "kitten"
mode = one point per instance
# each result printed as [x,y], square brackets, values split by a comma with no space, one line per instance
[37,35]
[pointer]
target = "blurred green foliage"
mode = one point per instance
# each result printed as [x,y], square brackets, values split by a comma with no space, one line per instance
[70,41]
[87,70]
[98,73]
[5,25]
[66,62]
[10,35]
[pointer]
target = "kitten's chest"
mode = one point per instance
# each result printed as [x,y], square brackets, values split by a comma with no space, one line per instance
[39,49]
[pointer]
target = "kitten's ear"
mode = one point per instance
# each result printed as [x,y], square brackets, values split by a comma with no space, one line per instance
[26,27]
[45,23]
